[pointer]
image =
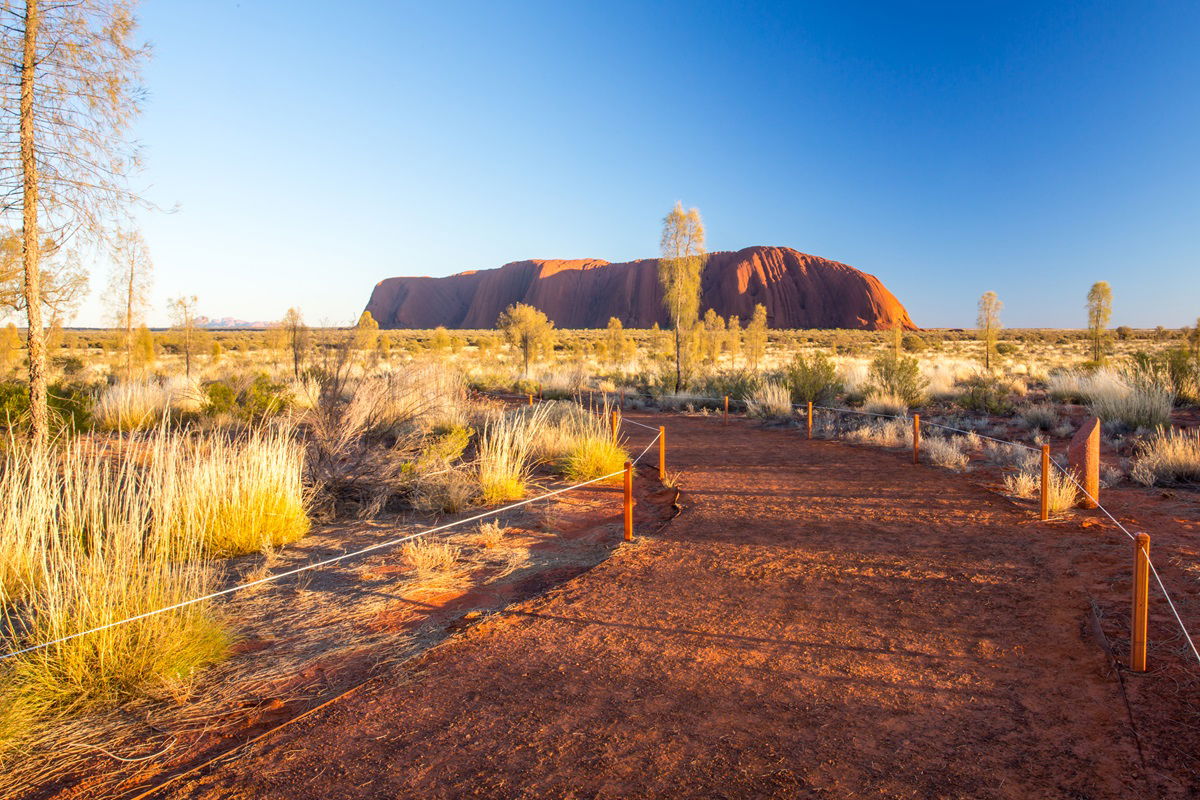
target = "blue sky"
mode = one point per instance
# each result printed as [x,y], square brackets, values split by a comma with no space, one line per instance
[948,148]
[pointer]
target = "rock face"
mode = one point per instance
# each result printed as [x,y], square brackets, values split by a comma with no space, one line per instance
[798,290]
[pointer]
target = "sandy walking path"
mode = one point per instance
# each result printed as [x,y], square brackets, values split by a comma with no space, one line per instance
[821,621]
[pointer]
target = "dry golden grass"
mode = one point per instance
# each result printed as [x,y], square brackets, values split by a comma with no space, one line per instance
[1170,456]
[489,534]
[430,559]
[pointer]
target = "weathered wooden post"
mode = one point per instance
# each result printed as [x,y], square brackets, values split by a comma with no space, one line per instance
[530,399]
[916,438]
[616,423]
[725,421]
[1084,457]
[628,501]
[1045,482]
[1141,604]
[810,419]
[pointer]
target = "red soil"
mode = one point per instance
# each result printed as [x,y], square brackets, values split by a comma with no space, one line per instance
[820,621]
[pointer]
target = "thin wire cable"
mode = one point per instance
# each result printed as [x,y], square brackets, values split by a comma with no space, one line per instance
[314,565]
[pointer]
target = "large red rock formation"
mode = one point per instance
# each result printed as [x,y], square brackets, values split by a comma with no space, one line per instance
[798,290]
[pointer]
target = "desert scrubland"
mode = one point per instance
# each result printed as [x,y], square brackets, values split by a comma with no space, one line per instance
[180,467]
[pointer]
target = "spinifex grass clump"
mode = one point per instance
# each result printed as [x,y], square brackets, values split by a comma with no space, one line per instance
[578,444]
[770,401]
[132,405]
[1169,457]
[93,544]
[505,453]
[234,496]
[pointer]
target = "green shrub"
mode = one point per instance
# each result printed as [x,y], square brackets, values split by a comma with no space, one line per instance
[263,398]
[813,379]
[219,398]
[70,406]
[1006,348]
[446,443]
[986,395]
[898,376]
[911,343]
[738,384]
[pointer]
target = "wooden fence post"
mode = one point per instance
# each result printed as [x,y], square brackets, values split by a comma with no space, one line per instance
[1141,605]
[628,501]
[662,451]
[810,419]
[916,438]
[1045,482]
[725,421]
[530,399]
[616,423]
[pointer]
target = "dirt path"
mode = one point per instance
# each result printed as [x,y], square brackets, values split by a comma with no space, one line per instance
[820,621]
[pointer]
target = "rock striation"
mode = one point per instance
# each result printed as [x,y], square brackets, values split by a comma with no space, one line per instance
[797,289]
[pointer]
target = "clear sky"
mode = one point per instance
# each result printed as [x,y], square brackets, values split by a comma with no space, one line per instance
[1029,148]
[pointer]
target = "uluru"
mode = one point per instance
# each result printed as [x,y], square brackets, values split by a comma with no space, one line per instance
[797,289]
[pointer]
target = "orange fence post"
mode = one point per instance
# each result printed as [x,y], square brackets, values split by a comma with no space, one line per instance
[1141,605]
[628,502]
[726,420]
[916,438]
[616,423]
[530,399]
[622,397]
[662,451]
[1045,482]
[810,419]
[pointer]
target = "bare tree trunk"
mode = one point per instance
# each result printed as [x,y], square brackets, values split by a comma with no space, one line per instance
[129,323]
[187,349]
[678,356]
[30,246]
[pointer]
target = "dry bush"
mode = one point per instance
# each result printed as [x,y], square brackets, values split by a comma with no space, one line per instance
[430,559]
[449,490]
[1116,398]
[882,433]
[946,452]
[489,534]
[367,435]
[888,405]
[1011,455]
[1041,416]
[1022,484]
[1170,456]
[770,400]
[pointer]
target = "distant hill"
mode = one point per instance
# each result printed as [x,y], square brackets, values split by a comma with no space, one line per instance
[229,323]
[798,290]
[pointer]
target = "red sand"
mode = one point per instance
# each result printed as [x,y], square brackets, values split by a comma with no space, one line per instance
[821,621]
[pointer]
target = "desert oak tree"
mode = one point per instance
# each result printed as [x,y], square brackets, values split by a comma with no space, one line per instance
[183,315]
[65,160]
[526,328]
[1099,309]
[989,324]
[128,292]
[679,271]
